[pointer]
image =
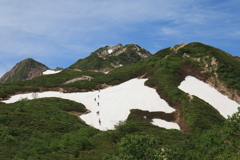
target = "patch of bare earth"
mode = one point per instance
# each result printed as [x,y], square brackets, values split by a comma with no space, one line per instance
[179,46]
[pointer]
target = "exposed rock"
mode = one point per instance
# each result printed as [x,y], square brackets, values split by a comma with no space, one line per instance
[231,94]
[177,47]
[186,55]
[107,58]
[24,70]
[119,49]
[79,79]
[110,49]
[210,79]
[214,63]
[197,59]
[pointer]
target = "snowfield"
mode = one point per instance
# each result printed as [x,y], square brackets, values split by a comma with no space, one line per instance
[113,104]
[165,124]
[222,103]
[51,72]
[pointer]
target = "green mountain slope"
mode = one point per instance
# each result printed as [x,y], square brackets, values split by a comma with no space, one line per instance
[106,58]
[205,133]
[26,69]
[166,69]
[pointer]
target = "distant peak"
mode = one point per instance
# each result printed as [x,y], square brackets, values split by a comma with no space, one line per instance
[24,70]
[28,59]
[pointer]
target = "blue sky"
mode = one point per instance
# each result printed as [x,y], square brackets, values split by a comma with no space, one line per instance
[59,32]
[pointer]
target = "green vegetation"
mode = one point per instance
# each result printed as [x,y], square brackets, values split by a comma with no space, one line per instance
[136,114]
[169,73]
[228,66]
[215,143]
[22,69]
[98,61]
[42,128]
[137,147]
[165,70]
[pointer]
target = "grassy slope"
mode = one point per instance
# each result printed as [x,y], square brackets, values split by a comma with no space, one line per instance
[94,62]
[29,128]
[21,73]
[41,129]
[228,65]
[165,74]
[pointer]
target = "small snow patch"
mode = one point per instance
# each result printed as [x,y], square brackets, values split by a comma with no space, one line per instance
[51,72]
[165,124]
[110,51]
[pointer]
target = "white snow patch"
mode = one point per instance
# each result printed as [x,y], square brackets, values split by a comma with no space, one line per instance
[165,124]
[51,72]
[114,102]
[210,95]
[110,51]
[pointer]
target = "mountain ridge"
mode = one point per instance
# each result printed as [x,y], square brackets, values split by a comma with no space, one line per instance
[103,59]
[165,71]
[107,58]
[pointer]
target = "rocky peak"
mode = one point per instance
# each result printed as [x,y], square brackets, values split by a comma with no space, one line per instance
[108,51]
[111,49]
[107,58]
[24,70]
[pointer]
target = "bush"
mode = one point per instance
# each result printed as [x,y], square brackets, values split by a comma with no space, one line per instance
[126,127]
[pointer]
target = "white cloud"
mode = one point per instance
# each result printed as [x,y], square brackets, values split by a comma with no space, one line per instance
[237,33]
[52,28]
[169,31]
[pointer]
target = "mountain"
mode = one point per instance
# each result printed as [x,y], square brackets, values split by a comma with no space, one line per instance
[109,57]
[24,70]
[179,103]
[238,58]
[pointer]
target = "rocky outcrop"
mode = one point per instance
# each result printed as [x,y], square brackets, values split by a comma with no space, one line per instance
[108,50]
[212,79]
[177,47]
[88,78]
[222,88]
[119,49]
[130,50]
[24,70]
[107,58]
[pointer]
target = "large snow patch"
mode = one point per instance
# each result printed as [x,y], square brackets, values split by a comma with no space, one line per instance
[198,88]
[113,103]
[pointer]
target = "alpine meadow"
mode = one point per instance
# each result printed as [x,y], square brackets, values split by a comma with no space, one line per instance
[124,103]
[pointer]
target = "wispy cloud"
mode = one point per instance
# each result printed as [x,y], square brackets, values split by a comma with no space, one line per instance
[73,29]
[169,31]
